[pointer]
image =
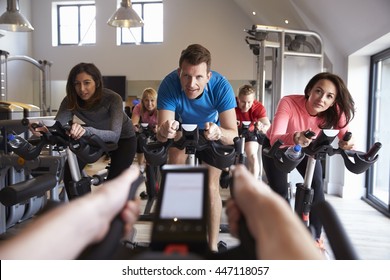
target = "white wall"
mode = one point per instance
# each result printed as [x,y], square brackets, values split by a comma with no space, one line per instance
[358,84]
[216,24]
[206,22]
[20,74]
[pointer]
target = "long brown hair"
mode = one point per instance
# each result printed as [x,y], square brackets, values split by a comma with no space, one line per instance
[75,102]
[344,103]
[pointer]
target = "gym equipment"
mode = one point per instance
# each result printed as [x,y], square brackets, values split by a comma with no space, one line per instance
[88,148]
[192,140]
[168,247]
[193,242]
[180,223]
[152,171]
[44,68]
[277,50]
[355,161]
[111,246]
[243,130]
[23,199]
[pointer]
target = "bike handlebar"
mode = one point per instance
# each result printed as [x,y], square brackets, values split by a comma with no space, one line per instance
[342,247]
[156,153]
[107,248]
[244,131]
[147,130]
[320,147]
[87,148]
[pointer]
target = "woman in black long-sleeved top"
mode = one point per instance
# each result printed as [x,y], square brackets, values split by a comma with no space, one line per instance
[100,110]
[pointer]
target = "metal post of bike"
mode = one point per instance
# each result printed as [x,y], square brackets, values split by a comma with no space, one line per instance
[304,193]
[73,165]
[191,133]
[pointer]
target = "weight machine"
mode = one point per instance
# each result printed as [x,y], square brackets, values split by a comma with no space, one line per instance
[283,48]
[44,88]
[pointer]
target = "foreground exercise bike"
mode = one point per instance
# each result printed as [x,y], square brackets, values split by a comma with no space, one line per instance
[178,232]
[192,140]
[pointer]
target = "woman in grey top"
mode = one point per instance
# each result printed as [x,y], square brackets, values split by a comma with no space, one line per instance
[101,112]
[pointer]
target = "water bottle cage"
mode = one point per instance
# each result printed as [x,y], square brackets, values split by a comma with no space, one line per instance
[28,152]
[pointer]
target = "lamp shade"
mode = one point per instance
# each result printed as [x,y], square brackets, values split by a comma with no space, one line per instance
[125,17]
[13,20]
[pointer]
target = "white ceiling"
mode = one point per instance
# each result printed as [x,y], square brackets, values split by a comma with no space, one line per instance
[348,24]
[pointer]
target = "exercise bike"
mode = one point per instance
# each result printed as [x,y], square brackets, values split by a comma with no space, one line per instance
[177,233]
[243,130]
[174,239]
[88,148]
[156,155]
[355,161]
[192,140]
[145,136]
[25,179]
[252,136]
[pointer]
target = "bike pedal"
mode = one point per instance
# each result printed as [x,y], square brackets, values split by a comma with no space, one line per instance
[224,179]
[143,195]
[222,246]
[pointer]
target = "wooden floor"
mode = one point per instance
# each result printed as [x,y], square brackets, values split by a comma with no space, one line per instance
[368,230]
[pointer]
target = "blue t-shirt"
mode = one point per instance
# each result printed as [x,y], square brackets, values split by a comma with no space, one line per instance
[218,96]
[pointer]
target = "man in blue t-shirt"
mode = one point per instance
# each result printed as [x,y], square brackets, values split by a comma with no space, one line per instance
[194,94]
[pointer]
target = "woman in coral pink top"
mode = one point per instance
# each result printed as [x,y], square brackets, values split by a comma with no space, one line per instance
[326,104]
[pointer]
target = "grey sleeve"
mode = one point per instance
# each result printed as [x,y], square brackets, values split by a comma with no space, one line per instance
[116,119]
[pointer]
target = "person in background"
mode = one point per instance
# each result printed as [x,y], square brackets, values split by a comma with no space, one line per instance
[93,109]
[249,109]
[197,95]
[326,104]
[145,112]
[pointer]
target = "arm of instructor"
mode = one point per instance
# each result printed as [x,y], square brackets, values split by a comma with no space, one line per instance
[227,130]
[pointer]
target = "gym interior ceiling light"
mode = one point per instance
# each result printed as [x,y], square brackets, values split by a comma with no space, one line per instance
[13,20]
[125,17]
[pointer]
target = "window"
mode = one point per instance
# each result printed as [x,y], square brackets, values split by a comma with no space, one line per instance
[151,11]
[76,24]
[378,176]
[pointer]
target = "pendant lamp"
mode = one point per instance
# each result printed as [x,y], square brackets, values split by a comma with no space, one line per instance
[13,20]
[125,17]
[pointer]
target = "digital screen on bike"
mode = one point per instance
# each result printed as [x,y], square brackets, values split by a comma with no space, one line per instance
[181,210]
[183,195]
